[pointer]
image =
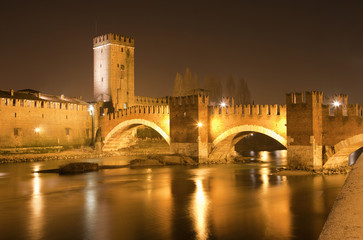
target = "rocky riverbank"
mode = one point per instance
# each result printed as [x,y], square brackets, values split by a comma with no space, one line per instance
[300,172]
[37,157]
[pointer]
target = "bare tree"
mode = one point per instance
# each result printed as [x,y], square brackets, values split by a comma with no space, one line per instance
[243,95]
[214,85]
[178,85]
[230,87]
[184,85]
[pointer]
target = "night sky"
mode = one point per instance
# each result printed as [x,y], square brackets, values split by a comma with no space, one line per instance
[277,46]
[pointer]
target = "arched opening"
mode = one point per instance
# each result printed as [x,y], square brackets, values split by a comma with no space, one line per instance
[246,138]
[345,152]
[136,133]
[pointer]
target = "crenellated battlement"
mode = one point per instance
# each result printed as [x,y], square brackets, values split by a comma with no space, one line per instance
[349,110]
[309,97]
[190,100]
[112,38]
[150,100]
[22,99]
[249,110]
[139,110]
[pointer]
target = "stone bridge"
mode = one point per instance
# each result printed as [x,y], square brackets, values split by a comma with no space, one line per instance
[314,133]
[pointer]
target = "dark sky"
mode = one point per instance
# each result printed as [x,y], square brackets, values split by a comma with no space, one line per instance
[277,46]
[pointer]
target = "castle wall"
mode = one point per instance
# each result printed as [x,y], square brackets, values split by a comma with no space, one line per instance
[222,119]
[34,123]
[340,123]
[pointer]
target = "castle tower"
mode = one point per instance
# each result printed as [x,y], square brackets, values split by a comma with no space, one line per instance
[113,70]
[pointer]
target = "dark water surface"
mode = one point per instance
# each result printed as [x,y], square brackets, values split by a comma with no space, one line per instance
[237,201]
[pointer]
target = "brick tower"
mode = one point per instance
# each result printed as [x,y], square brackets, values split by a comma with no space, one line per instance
[113,70]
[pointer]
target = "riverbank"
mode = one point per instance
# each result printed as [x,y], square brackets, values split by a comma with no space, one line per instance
[38,154]
[38,157]
[345,220]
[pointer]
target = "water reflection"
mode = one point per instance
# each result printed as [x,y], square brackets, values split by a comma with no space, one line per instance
[36,218]
[240,201]
[199,210]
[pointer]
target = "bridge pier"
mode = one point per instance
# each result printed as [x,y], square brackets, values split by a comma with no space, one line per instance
[189,126]
[304,130]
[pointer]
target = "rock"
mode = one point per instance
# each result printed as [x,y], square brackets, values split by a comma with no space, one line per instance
[145,163]
[80,167]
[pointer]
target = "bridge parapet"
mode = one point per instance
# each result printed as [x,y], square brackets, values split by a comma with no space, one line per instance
[349,110]
[147,101]
[249,110]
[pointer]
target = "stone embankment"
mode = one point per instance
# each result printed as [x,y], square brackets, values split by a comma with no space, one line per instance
[345,220]
[37,157]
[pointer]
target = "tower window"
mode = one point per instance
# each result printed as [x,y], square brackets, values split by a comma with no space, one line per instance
[100,65]
[68,131]
[118,65]
[122,49]
[101,50]
[102,79]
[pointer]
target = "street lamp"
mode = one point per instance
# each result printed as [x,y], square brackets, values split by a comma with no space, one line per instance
[336,103]
[200,124]
[223,104]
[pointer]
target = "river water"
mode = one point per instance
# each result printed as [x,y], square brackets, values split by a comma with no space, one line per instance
[235,201]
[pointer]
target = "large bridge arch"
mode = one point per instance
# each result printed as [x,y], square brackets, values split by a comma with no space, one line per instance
[223,144]
[342,151]
[113,138]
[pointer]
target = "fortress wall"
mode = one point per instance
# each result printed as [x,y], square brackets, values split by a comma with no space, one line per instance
[340,123]
[221,119]
[156,114]
[59,123]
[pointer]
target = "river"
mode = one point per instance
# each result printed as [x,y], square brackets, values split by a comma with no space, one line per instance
[234,201]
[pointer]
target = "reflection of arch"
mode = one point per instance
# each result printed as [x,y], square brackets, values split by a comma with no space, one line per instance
[223,144]
[342,151]
[116,133]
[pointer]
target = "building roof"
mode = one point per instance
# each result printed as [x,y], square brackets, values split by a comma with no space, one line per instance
[30,94]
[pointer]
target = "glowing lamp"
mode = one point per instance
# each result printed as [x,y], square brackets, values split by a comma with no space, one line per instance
[37,130]
[223,104]
[200,124]
[336,103]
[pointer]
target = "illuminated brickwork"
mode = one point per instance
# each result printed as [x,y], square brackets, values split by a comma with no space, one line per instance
[32,119]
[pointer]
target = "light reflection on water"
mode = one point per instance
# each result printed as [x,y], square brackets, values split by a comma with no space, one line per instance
[36,220]
[236,201]
[199,209]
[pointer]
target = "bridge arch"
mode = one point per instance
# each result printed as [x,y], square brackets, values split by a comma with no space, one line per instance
[342,151]
[222,145]
[114,136]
